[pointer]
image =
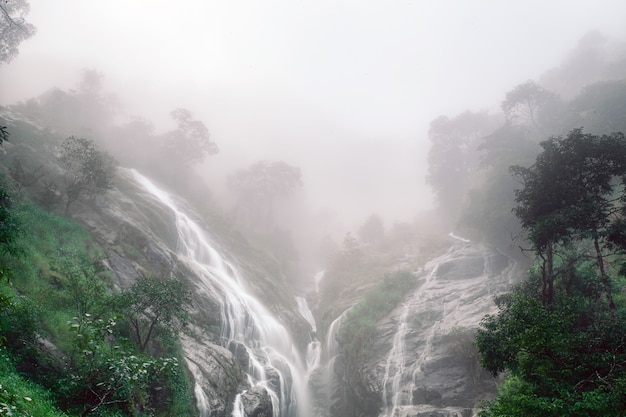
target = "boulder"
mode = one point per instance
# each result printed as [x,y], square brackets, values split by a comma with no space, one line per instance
[257,403]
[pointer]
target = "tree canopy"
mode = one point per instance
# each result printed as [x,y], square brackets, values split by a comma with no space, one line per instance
[570,194]
[258,186]
[14,28]
[152,302]
[560,333]
[453,156]
[522,104]
[190,142]
[89,170]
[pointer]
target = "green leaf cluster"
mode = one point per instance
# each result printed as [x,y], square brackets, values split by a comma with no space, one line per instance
[64,333]
[358,330]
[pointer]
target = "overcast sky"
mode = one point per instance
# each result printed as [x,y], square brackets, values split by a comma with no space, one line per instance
[307,81]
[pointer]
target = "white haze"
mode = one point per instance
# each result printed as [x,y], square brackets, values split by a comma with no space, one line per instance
[345,89]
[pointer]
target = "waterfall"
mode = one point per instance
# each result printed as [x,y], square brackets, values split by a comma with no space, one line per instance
[457,290]
[331,339]
[274,363]
[201,401]
[314,348]
[395,372]
[317,279]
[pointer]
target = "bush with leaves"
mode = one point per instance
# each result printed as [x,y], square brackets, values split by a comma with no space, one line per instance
[102,373]
[564,359]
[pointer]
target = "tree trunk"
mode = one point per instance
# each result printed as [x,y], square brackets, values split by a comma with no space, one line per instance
[143,346]
[544,280]
[605,278]
[550,274]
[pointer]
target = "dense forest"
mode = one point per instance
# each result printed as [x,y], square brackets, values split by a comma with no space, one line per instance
[543,178]
[548,175]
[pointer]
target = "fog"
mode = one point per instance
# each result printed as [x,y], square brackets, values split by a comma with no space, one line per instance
[345,90]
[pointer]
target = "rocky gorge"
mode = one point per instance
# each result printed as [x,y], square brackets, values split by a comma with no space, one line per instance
[254,347]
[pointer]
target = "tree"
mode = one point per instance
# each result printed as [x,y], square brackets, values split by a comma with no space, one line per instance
[89,170]
[260,185]
[102,374]
[522,104]
[453,156]
[190,143]
[152,302]
[568,194]
[13,27]
[560,333]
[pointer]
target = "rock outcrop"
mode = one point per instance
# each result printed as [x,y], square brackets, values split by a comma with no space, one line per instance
[423,361]
[256,402]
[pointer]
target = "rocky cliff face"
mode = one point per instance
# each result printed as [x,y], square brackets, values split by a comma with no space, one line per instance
[229,345]
[248,359]
[423,361]
[141,237]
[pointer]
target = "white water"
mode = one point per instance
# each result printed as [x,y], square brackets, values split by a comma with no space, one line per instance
[395,366]
[314,348]
[318,278]
[331,339]
[201,401]
[245,321]
[448,297]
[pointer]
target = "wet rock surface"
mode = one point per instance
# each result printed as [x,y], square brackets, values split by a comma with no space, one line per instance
[438,374]
[256,403]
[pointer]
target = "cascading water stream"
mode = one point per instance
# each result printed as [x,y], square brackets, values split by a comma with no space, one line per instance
[314,348]
[395,363]
[245,321]
[455,294]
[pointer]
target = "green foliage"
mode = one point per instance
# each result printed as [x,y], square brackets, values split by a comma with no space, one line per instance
[102,373]
[568,191]
[569,194]
[20,397]
[90,171]
[152,302]
[517,398]
[59,293]
[358,331]
[19,322]
[567,358]
[9,230]
[561,341]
